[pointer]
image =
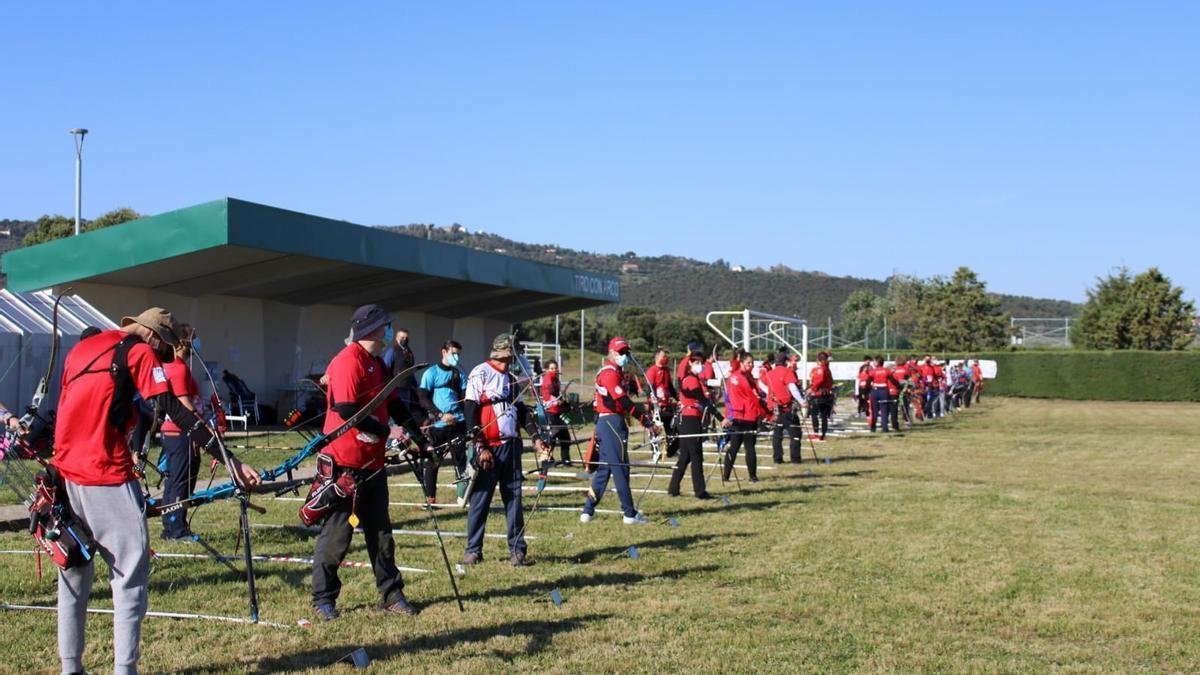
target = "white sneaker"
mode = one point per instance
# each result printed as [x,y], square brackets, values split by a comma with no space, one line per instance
[585,517]
[637,519]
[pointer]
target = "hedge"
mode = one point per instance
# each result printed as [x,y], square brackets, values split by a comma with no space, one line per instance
[1090,375]
[1103,376]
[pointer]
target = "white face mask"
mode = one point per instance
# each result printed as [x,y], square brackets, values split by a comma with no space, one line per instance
[697,368]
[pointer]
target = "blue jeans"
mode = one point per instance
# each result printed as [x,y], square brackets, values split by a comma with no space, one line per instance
[612,435]
[506,472]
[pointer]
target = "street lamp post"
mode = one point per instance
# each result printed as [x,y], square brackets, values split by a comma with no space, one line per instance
[78,135]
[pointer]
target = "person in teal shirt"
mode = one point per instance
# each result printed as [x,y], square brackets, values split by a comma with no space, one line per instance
[440,392]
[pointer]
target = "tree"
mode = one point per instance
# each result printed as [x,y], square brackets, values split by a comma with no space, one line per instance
[959,314]
[675,330]
[1142,312]
[861,312]
[49,228]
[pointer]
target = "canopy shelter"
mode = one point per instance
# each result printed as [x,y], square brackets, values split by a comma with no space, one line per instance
[233,247]
[270,291]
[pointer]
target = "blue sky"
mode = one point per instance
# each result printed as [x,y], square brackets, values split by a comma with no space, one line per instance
[1040,143]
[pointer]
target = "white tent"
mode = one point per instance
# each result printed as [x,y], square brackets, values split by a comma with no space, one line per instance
[25,344]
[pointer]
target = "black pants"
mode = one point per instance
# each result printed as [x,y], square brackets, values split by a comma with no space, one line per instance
[741,433]
[690,453]
[894,406]
[864,398]
[880,408]
[819,410]
[183,465]
[440,436]
[786,420]
[558,427]
[371,505]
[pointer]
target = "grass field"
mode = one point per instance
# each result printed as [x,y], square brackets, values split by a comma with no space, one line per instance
[1017,536]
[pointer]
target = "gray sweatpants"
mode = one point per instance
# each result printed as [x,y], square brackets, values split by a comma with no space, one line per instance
[114,515]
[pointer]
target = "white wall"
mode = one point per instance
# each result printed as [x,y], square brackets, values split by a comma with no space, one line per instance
[271,345]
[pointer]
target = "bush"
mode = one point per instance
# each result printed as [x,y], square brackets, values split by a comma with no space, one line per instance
[1099,376]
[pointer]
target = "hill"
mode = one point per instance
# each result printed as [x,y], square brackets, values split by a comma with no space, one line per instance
[670,283]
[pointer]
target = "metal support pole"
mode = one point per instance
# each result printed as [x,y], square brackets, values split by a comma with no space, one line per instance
[557,348]
[581,351]
[746,330]
[78,135]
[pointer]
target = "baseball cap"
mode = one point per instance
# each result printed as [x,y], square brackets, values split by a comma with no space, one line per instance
[618,344]
[502,346]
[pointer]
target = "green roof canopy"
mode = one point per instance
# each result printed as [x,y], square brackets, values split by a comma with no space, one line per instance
[234,247]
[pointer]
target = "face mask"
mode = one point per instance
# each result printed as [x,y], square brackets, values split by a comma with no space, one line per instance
[662,361]
[196,344]
[389,334]
[452,359]
[697,368]
[621,360]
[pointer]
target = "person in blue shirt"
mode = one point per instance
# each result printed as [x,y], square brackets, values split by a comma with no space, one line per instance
[440,392]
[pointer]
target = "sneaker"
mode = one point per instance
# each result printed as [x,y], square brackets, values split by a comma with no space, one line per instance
[585,517]
[517,559]
[431,500]
[753,479]
[567,462]
[472,559]
[636,519]
[461,500]
[327,612]
[704,495]
[401,606]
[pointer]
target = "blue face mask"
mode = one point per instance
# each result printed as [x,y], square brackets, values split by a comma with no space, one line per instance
[389,334]
[622,359]
[452,359]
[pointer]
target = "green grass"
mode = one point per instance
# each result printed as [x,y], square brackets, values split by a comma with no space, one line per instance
[1018,536]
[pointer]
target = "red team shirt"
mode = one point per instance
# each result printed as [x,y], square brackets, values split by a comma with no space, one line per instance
[778,380]
[901,374]
[87,449]
[355,377]
[182,384]
[691,407]
[880,376]
[743,401]
[660,382]
[551,388]
[609,382]
[820,380]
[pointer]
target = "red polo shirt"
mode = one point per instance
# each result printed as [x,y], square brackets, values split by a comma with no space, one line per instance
[355,377]
[87,449]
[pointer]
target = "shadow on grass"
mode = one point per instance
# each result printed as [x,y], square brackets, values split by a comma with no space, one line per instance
[734,506]
[539,633]
[541,589]
[676,543]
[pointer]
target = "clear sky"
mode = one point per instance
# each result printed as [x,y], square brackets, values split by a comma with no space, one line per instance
[1041,143]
